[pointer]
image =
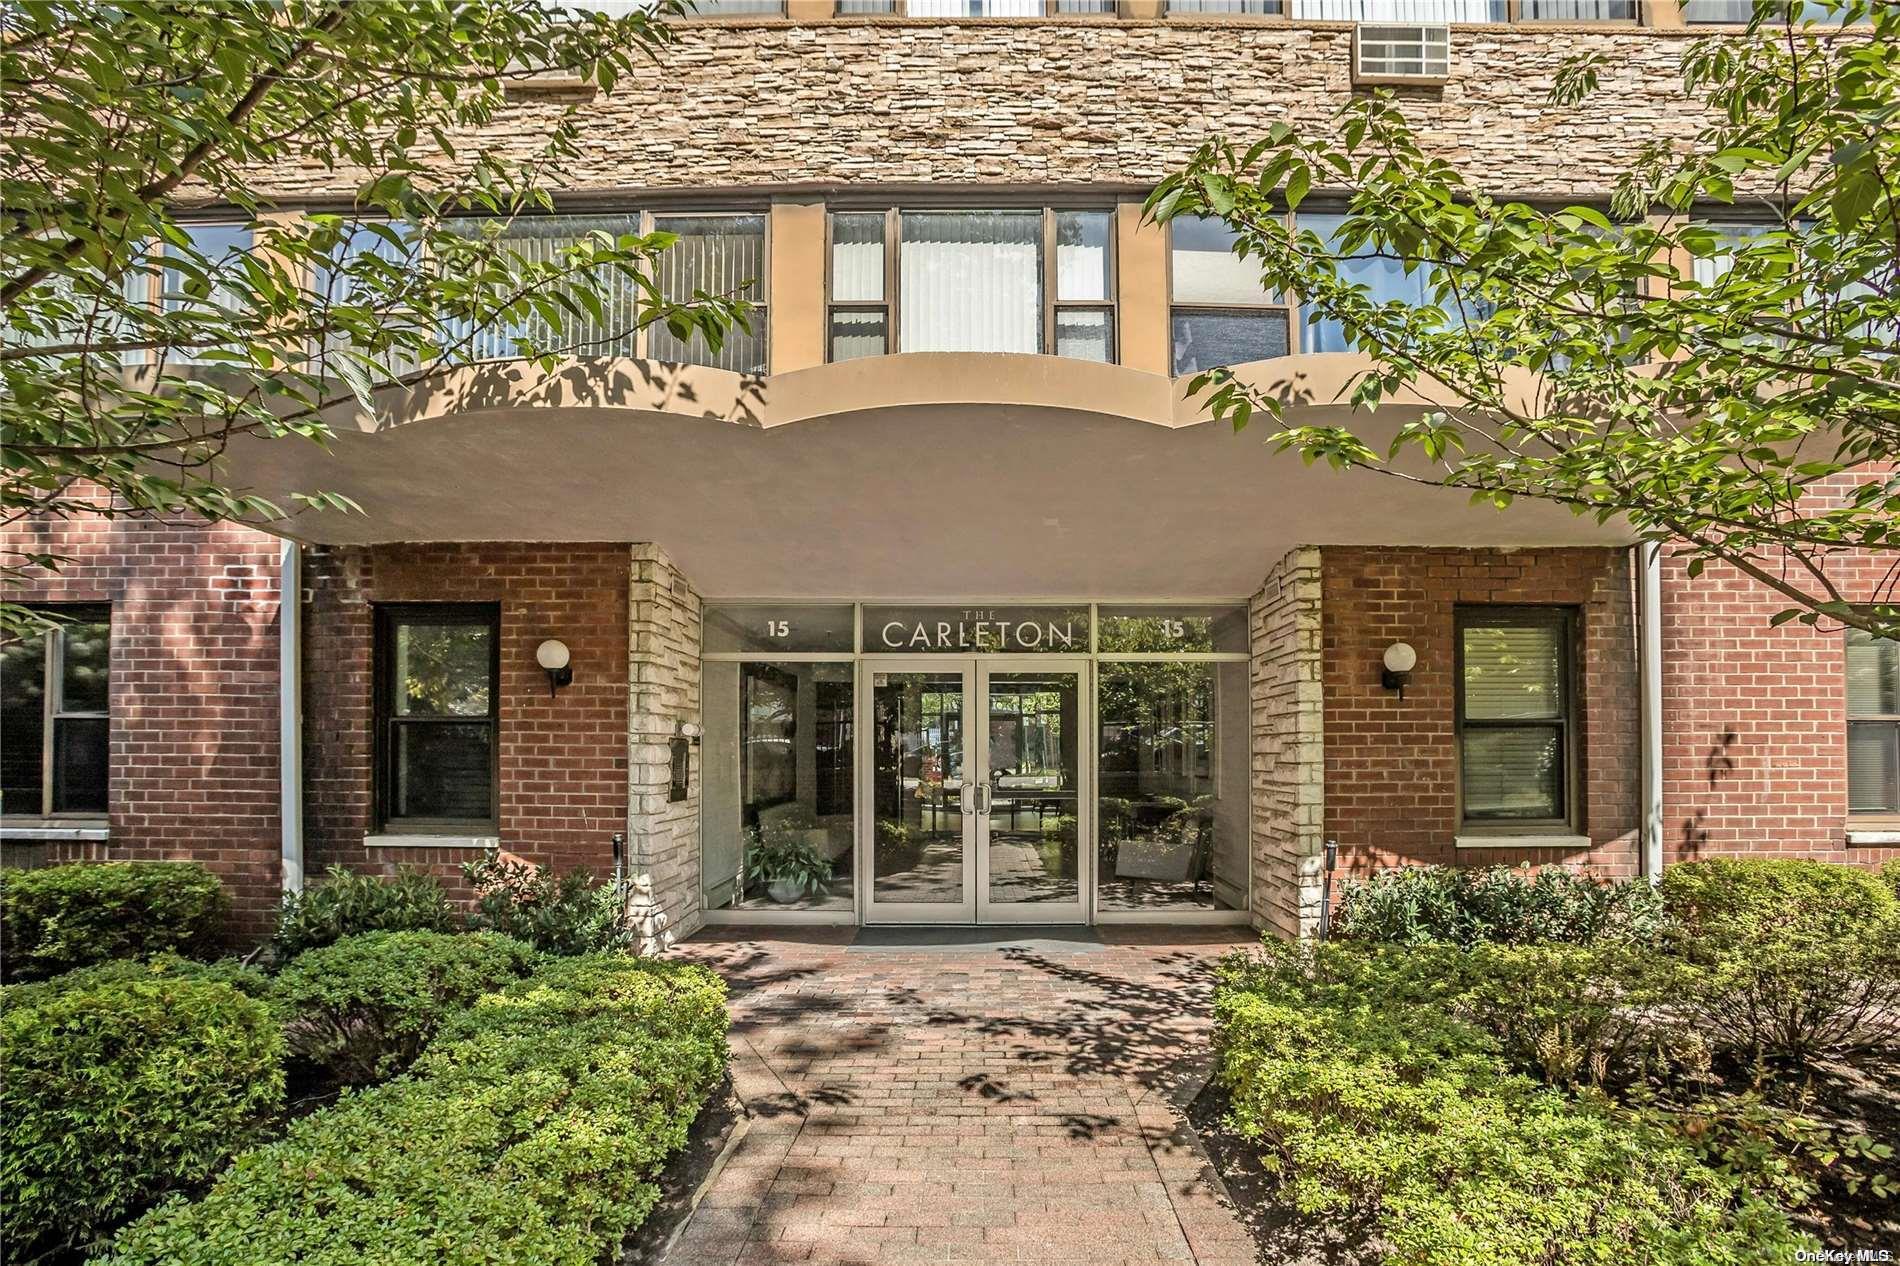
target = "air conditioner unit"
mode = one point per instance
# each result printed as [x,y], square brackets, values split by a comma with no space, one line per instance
[1401,53]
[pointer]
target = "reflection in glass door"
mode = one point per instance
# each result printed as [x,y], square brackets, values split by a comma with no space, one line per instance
[1030,806]
[921,826]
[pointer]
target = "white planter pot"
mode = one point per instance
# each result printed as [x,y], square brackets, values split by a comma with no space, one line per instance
[785,891]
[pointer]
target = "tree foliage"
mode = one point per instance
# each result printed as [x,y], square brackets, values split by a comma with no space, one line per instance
[1736,395]
[137,351]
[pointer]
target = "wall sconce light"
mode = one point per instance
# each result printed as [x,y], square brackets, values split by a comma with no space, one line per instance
[1399,661]
[552,655]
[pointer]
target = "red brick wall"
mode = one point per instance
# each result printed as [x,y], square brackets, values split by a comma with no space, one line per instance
[1755,719]
[1391,767]
[563,759]
[194,770]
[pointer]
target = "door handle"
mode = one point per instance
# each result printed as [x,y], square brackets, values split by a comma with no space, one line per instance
[983,799]
[966,798]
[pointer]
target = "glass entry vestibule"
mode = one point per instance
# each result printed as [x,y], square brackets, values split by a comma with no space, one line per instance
[1048,763]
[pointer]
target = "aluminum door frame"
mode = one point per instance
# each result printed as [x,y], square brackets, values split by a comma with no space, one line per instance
[873,910]
[1080,910]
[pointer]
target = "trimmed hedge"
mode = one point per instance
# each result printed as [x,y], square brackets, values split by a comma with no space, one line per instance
[249,981]
[530,1130]
[347,903]
[1379,1106]
[118,1087]
[1727,900]
[62,917]
[1422,905]
[363,1007]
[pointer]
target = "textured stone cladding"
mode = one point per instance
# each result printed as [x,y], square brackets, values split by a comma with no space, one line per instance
[563,756]
[753,104]
[193,771]
[1391,763]
[1755,719]
[1289,766]
[663,672]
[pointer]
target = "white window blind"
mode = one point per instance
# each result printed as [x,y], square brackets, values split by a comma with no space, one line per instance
[970,281]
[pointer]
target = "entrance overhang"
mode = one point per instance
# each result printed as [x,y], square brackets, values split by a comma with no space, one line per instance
[918,475]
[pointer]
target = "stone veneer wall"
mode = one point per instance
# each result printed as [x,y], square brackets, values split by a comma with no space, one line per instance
[1289,765]
[749,104]
[663,681]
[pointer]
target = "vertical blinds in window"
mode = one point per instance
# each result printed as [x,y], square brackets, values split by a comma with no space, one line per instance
[970,281]
[720,255]
[539,239]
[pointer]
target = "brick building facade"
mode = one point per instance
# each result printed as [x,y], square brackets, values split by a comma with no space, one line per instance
[707,542]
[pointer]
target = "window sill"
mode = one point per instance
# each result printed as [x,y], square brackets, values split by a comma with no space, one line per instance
[415,840]
[30,830]
[1875,831]
[1571,843]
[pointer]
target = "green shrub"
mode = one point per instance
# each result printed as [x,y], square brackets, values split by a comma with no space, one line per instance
[249,981]
[1384,1108]
[63,917]
[1417,905]
[529,1131]
[347,903]
[568,915]
[1728,900]
[1793,959]
[1890,875]
[120,1088]
[362,1008]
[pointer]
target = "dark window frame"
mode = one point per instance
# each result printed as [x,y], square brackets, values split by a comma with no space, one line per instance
[1889,719]
[388,616]
[1567,621]
[53,711]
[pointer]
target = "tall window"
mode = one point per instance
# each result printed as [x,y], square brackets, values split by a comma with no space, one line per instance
[1221,315]
[1514,716]
[719,255]
[972,281]
[438,712]
[1386,281]
[54,689]
[182,287]
[1873,723]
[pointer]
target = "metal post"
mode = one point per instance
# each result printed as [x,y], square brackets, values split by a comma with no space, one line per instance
[1326,890]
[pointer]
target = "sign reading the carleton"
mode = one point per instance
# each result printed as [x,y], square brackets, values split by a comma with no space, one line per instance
[977,630]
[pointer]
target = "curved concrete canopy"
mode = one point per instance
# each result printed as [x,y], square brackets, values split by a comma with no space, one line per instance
[912,476]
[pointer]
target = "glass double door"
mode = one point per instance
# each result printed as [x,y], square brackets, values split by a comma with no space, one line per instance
[975,774]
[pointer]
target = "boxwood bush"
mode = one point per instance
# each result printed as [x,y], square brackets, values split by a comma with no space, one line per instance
[119,1087]
[1797,959]
[1380,1106]
[347,903]
[362,1008]
[1418,905]
[249,981]
[62,917]
[530,1130]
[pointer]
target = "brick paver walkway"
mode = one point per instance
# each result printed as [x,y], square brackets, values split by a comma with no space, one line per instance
[975,1105]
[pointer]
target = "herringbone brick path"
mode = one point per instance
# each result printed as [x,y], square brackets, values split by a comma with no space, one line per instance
[974,1105]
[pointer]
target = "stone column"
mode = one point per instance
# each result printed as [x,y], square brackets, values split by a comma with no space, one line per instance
[663,645]
[1289,763]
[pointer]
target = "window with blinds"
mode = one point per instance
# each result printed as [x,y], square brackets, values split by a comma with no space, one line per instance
[717,255]
[1012,280]
[1873,723]
[438,712]
[1515,716]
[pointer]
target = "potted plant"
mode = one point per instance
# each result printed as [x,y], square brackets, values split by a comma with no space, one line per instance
[786,863]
